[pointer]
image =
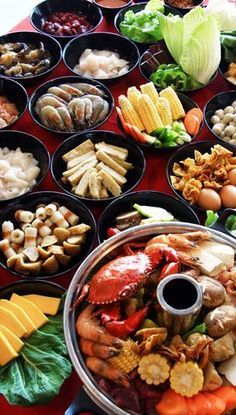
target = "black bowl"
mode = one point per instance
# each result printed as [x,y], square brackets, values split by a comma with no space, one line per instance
[125,203]
[136,157]
[146,68]
[185,10]
[50,44]
[29,202]
[28,144]
[67,79]
[110,12]
[188,104]
[16,94]
[100,40]
[137,8]
[188,151]
[219,101]
[48,7]
[219,225]
[223,69]
[26,287]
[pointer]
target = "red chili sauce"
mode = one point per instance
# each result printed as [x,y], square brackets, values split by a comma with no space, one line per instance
[66,24]
[112,3]
[181,3]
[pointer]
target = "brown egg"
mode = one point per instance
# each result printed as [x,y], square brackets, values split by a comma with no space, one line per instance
[228,196]
[209,199]
[232,176]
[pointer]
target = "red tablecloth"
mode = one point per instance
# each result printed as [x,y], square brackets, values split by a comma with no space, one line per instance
[154,179]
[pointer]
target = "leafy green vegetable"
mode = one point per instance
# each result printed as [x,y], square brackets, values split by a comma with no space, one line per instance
[194,43]
[36,376]
[201,328]
[228,41]
[143,26]
[211,217]
[230,224]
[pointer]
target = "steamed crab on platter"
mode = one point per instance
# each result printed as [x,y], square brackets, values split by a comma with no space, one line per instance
[157,324]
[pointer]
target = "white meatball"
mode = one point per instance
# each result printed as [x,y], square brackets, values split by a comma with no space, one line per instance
[227,118]
[219,113]
[228,110]
[227,138]
[233,142]
[229,130]
[215,119]
[218,128]
[234,118]
[234,136]
[233,104]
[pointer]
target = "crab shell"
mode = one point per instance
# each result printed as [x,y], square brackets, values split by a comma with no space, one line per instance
[119,279]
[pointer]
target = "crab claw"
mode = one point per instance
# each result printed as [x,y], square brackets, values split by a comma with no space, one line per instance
[123,328]
[84,292]
[169,269]
[157,252]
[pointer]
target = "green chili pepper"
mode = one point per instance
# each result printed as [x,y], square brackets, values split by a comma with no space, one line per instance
[211,217]
[230,223]
[201,328]
[171,75]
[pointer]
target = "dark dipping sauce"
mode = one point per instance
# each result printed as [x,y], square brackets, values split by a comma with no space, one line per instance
[66,24]
[180,294]
[112,4]
[184,4]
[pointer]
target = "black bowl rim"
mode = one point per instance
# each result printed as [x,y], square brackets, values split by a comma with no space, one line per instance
[17,85]
[63,272]
[102,33]
[164,149]
[171,159]
[141,192]
[38,76]
[62,37]
[107,8]
[177,90]
[16,132]
[140,4]
[71,79]
[231,91]
[107,199]
[25,282]
[187,8]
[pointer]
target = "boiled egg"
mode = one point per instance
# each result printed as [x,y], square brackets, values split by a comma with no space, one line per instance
[209,199]
[232,176]
[228,196]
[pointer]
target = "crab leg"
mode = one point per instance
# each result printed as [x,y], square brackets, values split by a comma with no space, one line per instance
[123,328]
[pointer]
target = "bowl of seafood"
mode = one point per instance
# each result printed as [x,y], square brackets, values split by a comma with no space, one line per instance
[45,235]
[71,104]
[149,321]
[28,57]
[24,164]
[106,57]
[13,102]
[220,117]
[141,208]
[97,166]
[65,20]
[203,174]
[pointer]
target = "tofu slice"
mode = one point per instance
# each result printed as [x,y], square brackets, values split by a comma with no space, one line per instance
[110,183]
[21,315]
[116,176]
[78,151]
[223,252]
[81,159]
[208,264]
[7,352]
[35,314]
[113,151]
[15,341]
[48,305]
[11,322]
[75,178]
[101,156]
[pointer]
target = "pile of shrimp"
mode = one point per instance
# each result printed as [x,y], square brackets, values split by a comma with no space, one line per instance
[8,112]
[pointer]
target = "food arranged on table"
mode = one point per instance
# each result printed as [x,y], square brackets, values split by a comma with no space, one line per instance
[72,107]
[157,119]
[41,242]
[8,112]
[66,24]
[96,170]
[157,341]
[18,171]
[228,42]
[101,64]
[207,180]
[23,59]
[33,351]
[224,123]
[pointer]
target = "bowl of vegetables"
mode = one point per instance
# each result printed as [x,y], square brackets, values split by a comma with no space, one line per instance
[220,117]
[158,122]
[140,208]
[140,22]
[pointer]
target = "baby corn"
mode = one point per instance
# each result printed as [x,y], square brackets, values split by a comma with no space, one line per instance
[164,110]
[148,114]
[186,378]
[150,90]
[130,114]
[133,94]
[176,106]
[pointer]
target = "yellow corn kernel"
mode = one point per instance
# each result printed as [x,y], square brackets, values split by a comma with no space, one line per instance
[127,360]
[164,110]
[154,369]
[148,114]
[186,378]
[176,106]
[129,113]
[150,90]
[133,94]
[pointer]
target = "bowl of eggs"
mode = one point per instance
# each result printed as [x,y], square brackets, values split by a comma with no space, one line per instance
[203,174]
[220,117]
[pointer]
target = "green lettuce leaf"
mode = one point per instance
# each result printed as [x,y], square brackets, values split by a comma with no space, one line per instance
[228,41]
[36,376]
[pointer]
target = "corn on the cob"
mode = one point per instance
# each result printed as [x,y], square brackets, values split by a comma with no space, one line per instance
[186,378]
[148,114]
[176,106]
[133,94]
[130,114]
[127,360]
[150,90]
[164,110]
[154,369]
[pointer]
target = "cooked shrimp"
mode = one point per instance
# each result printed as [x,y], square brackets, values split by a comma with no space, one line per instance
[181,241]
[87,326]
[91,348]
[88,89]
[60,92]
[65,115]
[50,118]
[106,370]
[47,100]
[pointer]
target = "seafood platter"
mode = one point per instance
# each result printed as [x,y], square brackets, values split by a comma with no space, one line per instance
[118,183]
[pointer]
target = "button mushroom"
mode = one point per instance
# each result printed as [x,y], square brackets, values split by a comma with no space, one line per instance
[220,320]
[213,292]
